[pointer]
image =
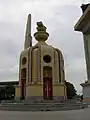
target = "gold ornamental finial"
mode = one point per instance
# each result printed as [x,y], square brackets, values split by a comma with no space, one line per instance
[41,27]
[41,34]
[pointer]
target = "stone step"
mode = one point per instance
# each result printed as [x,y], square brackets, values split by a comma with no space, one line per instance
[41,107]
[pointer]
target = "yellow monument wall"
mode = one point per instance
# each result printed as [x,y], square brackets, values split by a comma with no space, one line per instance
[37,90]
[17,91]
[86,99]
[35,65]
[34,90]
[59,90]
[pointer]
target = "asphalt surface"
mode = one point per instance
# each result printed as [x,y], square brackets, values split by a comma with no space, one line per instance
[83,114]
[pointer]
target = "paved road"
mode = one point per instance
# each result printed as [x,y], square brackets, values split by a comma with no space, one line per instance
[83,114]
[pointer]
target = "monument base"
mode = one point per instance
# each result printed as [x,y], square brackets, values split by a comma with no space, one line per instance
[35,92]
[86,91]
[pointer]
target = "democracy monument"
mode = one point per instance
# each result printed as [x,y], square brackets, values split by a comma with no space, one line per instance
[41,68]
[41,84]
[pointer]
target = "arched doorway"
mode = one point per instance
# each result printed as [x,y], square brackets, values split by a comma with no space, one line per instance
[23,83]
[47,83]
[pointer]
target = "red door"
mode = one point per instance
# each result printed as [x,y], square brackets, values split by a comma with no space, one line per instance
[23,88]
[47,88]
[50,89]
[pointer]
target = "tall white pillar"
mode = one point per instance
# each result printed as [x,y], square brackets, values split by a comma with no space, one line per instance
[83,25]
[86,39]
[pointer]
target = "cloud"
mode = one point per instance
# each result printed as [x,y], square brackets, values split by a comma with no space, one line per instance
[59,17]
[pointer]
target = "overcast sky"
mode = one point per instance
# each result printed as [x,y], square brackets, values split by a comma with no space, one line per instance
[59,16]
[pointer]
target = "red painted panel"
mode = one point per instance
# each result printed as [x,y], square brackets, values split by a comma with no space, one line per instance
[50,89]
[23,88]
[47,88]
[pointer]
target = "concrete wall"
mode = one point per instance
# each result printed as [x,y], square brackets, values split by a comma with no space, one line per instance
[37,89]
[87,100]
[56,68]
[21,66]
[47,50]
[34,90]
[59,90]
[35,65]
[86,91]
[17,92]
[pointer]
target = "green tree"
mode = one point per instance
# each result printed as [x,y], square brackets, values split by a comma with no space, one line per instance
[9,92]
[2,93]
[71,92]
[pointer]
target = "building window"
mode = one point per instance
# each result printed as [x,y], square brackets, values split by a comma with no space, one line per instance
[47,58]
[24,60]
